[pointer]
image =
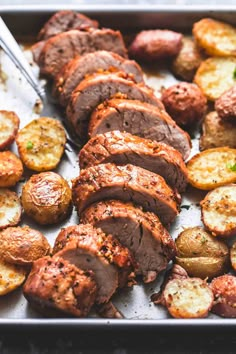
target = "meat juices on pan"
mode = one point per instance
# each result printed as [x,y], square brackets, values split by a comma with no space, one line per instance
[77,69]
[126,183]
[141,232]
[58,50]
[54,285]
[90,249]
[122,148]
[142,119]
[99,87]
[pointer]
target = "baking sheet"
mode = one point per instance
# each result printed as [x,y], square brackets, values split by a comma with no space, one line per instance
[17,95]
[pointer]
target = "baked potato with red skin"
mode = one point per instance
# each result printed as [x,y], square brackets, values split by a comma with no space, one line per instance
[224,290]
[225,105]
[233,255]
[22,245]
[185,103]
[201,254]
[186,63]
[47,198]
[157,44]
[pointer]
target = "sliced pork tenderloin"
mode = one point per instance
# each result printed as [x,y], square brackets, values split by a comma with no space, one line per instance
[90,249]
[78,68]
[123,148]
[63,21]
[63,47]
[54,286]
[97,88]
[126,183]
[141,232]
[141,119]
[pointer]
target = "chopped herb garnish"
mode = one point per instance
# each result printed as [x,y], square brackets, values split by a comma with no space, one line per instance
[234,74]
[185,207]
[203,240]
[29,145]
[231,167]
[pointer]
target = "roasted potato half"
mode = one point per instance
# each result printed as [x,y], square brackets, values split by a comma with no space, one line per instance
[215,37]
[188,298]
[41,144]
[215,75]
[10,208]
[187,61]
[11,277]
[201,254]
[212,168]
[46,197]
[22,245]
[233,255]
[219,211]
[225,105]
[9,125]
[217,133]
[11,169]
[224,290]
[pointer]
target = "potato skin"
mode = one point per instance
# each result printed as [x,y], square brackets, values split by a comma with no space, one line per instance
[224,290]
[200,254]
[22,245]
[186,63]
[185,103]
[217,133]
[153,45]
[225,105]
[46,197]
[11,169]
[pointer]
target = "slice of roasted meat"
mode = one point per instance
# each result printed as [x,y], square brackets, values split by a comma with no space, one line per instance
[97,88]
[63,21]
[126,183]
[78,68]
[90,249]
[58,50]
[141,232]
[139,118]
[55,286]
[122,148]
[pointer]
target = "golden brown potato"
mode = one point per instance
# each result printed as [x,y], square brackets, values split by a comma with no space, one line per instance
[219,211]
[46,197]
[10,208]
[11,277]
[217,133]
[224,290]
[215,75]
[11,169]
[187,61]
[22,245]
[215,37]
[9,125]
[212,168]
[233,255]
[41,144]
[201,254]
[188,298]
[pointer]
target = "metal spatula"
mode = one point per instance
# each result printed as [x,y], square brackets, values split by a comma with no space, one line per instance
[12,49]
